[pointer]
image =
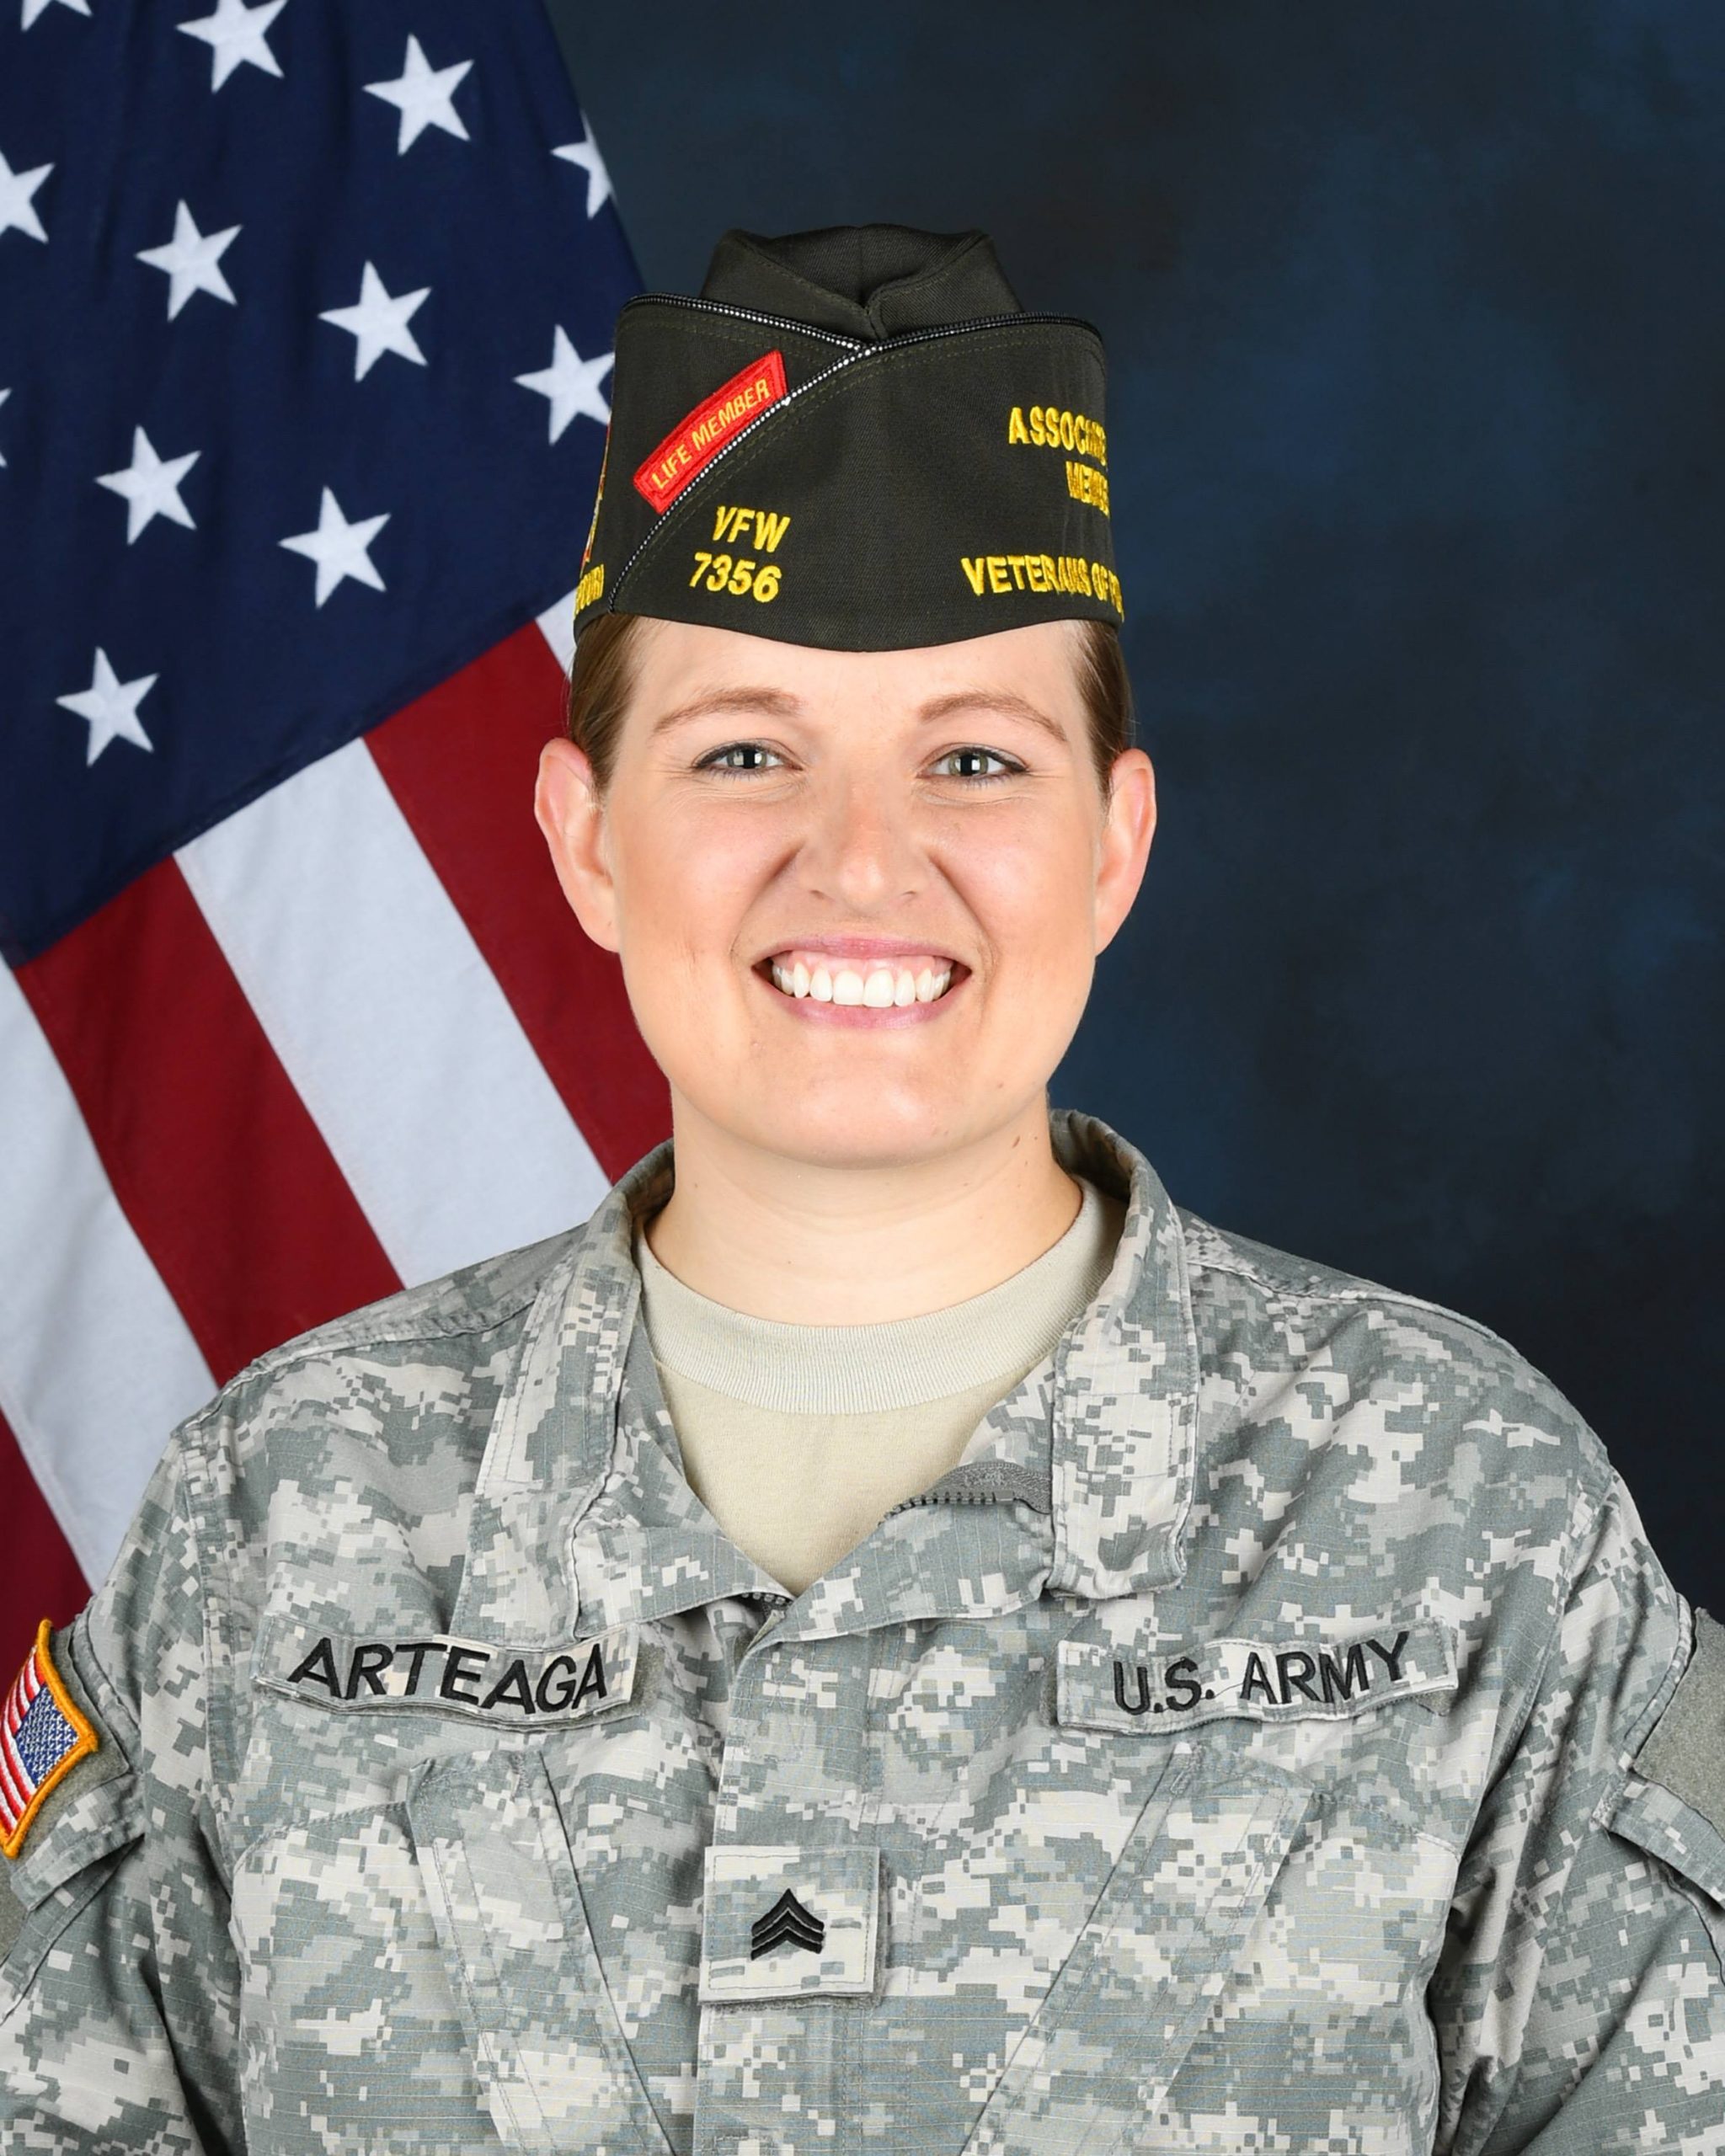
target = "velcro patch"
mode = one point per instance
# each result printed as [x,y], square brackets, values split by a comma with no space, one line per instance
[1686,1752]
[1268,1679]
[780,1921]
[43,1736]
[494,1683]
[693,443]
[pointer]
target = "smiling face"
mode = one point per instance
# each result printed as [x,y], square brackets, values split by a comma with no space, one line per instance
[857,895]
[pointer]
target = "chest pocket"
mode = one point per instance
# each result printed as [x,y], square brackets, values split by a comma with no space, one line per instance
[1166,1935]
[415,1964]
[1253,1972]
[1256,1967]
[1321,2015]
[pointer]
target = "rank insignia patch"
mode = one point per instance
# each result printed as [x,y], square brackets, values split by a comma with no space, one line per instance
[42,1737]
[785,1924]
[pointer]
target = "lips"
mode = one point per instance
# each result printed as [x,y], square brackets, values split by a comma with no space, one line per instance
[857,951]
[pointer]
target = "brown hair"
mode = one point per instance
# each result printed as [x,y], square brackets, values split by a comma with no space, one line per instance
[602,677]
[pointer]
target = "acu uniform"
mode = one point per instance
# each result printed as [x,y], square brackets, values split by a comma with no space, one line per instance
[1273,1734]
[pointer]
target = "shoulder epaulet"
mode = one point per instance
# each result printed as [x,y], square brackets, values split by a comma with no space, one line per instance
[473,1299]
[1279,1274]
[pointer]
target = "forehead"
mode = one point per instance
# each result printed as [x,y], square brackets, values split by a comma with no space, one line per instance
[688,678]
[680,662]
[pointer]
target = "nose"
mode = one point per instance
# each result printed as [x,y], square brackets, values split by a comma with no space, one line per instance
[861,849]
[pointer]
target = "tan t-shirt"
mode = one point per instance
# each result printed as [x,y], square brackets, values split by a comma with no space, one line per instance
[797,1438]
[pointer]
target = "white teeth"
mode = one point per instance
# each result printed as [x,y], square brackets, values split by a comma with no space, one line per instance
[881,988]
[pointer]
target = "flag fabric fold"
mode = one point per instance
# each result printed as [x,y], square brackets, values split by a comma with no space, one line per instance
[305,324]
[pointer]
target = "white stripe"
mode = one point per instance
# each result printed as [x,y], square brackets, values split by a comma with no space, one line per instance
[23,1785]
[388,1020]
[12,1759]
[96,1365]
[14,1796]
[11,1720]
[557,625]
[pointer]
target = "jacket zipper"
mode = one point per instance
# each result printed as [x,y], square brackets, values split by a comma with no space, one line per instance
[953,1497]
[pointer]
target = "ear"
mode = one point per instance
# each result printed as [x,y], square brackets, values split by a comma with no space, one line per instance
[568,810]
[1124,847]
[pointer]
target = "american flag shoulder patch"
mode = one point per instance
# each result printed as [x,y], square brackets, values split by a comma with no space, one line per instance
[43,1736]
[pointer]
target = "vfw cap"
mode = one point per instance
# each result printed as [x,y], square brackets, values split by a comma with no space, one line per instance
[855,438]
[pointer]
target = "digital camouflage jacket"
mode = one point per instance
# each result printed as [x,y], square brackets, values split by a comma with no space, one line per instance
[1275,1735]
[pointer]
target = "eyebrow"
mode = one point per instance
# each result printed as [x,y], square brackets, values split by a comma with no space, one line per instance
[779,703]
[1004,700]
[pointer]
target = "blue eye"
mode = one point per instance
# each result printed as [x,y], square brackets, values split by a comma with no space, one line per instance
[714,759]
[1009,769]
[720,759]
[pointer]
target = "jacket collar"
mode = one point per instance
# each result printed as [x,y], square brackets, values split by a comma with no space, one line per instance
[576,1527]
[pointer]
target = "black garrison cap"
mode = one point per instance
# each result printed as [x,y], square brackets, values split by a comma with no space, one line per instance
[855,438]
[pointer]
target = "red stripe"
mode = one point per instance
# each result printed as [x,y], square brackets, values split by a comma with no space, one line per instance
[461,762]
[20,1786]
[212,1154]
[18,1795]
[40,1577]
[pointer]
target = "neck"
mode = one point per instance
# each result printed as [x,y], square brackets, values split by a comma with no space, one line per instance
[803,1243]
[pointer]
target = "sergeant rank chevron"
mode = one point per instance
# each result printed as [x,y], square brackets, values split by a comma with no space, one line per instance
[786,1923]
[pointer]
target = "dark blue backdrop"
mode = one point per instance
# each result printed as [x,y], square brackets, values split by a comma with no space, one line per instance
[1414,321]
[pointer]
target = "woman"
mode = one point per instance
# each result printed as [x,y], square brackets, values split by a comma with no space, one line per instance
[989,1662]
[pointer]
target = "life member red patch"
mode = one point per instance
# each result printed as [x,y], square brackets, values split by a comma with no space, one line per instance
[693,443]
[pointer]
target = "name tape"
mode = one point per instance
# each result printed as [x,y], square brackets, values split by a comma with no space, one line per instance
[466,1677]
[1099,1687]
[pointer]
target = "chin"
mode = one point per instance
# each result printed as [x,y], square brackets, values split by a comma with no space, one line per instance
[854,1129]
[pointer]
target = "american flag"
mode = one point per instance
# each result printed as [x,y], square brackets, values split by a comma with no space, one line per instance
[43,1736]
[306,312]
